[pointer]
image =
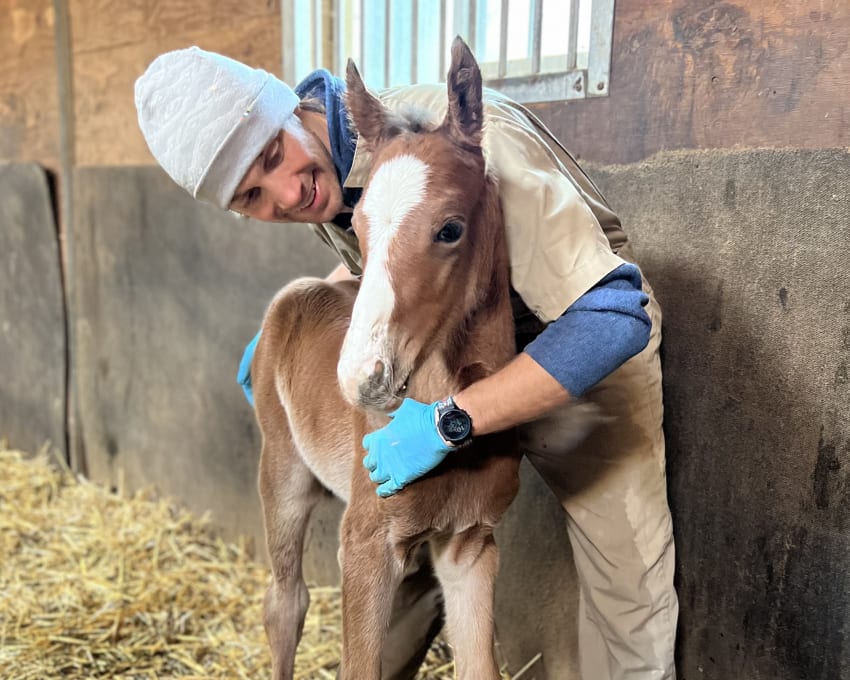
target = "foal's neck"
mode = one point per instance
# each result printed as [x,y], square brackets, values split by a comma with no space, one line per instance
[486,341]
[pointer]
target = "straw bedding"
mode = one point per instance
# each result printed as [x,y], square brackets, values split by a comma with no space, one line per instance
[94,585]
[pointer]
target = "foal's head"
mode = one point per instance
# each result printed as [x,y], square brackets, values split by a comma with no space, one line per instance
[427,225]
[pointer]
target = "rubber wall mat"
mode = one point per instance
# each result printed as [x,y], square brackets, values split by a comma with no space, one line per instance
[32,322]
[747,252]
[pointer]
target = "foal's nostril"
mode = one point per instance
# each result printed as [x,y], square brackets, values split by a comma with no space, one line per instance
[373,393]
[377,390]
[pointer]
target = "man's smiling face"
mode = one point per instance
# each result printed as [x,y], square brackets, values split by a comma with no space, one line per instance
[294,178]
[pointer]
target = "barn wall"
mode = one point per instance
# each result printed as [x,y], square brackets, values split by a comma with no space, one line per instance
[699,74]
[169,292]
[685,74]
[33,341]
[747,263]
[29,119]
[737,242]
[746,252]
[113,42]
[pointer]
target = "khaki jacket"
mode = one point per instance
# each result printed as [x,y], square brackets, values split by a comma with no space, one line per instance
[562,236]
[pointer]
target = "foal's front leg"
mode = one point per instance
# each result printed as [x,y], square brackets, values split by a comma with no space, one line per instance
[289,492]
[371,573]
[466,565]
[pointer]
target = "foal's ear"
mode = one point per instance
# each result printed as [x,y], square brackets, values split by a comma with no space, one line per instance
[465,114]
[367,113]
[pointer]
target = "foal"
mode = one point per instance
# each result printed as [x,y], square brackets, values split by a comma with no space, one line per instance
[431,315]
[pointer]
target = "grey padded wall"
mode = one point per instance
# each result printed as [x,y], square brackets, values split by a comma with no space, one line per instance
[169,293]
[748,253]
[32,321]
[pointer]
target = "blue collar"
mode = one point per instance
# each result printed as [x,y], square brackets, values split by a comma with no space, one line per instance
[329,89]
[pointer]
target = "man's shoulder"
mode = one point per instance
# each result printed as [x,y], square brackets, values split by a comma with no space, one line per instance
[432,96]
[412,92]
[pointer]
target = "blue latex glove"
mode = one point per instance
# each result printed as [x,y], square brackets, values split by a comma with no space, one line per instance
[243,377]
[405,449]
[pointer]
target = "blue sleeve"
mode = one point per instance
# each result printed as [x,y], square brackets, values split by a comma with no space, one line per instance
[600,331]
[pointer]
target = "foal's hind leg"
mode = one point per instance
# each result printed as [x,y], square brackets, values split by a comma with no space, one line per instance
[466,564]
[289,492]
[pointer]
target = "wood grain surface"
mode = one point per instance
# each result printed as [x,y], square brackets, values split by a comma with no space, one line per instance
[696,74]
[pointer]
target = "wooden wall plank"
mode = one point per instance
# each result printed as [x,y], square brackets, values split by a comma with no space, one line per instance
[169,292]
[28,101]
[746,251]
[101,24]
[704,74]
[98,24]
[33,342]
[114,45]
[200,16]
[685,74]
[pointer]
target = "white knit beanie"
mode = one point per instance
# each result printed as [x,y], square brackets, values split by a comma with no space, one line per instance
[206,118]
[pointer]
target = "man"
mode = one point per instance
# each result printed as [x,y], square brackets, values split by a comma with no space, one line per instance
[587,323]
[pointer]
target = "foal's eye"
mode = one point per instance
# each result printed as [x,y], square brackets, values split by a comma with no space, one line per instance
[450,233]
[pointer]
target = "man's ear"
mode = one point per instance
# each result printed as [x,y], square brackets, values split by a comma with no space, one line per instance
[367,113]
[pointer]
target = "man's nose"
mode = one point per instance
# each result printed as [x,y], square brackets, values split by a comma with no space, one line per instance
[285,196]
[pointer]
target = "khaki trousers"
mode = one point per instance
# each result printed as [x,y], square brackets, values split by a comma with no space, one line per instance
[613,488]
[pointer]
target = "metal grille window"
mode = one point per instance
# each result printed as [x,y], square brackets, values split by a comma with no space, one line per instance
[532,50]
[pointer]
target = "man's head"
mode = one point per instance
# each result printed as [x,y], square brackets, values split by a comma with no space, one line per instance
[236,137]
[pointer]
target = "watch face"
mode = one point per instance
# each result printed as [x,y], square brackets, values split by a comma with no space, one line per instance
[455,425]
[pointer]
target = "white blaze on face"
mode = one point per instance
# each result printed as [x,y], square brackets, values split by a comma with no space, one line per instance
[396,189]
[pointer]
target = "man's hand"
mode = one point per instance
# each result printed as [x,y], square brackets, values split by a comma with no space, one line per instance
[405,449]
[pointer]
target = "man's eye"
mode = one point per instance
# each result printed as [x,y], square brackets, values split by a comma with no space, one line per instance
[251,195]
[273,157]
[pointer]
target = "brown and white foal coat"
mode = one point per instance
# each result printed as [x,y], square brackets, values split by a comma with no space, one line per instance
[430,315]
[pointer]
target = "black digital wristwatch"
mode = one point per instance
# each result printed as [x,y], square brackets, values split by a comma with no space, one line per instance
[453,423]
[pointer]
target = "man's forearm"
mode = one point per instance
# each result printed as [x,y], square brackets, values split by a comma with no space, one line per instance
[599,332]
[520,392]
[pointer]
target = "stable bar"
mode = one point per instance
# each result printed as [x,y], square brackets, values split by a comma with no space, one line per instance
[287,40]
[460,20]
[414,42]
[361,59]
[472,26]
[572,40]
[536,34]
[316,13]
[442,57]
[339,58]
[387,41]
[599,51]
[503,40]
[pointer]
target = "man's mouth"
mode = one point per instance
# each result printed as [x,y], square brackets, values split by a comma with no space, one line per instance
[311,197]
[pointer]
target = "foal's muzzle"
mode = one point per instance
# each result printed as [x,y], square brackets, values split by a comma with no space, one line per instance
[378,388]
